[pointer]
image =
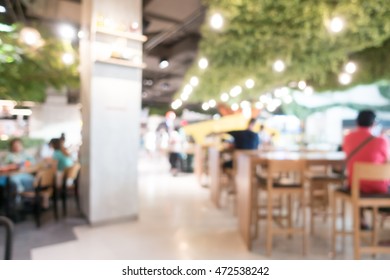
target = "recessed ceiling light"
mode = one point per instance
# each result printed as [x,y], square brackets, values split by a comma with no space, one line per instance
[164,63]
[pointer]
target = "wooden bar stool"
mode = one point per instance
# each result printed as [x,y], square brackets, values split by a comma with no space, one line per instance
[362,171]
[319,178]
[287,187]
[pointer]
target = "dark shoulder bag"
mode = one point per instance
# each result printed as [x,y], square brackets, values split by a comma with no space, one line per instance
[354,152]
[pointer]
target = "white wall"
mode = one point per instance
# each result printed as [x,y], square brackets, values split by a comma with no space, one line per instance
[326,127]
[54,117]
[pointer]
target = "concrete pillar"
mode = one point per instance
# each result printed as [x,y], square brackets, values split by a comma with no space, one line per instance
[111,108]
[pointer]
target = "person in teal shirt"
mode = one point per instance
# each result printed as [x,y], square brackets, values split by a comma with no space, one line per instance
[61,155]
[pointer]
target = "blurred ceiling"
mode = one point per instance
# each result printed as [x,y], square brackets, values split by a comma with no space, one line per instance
[172,28]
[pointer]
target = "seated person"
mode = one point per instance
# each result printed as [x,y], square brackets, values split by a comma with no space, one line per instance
[244,140]
[374,150]
[22,181]
[61,155]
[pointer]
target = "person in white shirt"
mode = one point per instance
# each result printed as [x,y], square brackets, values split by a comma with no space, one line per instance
[175,149]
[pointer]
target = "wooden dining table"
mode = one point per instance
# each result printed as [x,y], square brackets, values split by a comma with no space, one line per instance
[246,181]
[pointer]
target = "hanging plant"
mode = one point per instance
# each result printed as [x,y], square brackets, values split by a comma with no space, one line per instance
[302,35]
[31,64]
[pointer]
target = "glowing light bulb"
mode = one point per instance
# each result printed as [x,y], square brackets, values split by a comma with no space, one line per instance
[302,85]
[345,78]
[224,97]
[68,58]
[279,66]
[212,103]
[250,83]
[203,63]
[67,31]
[235,107]
[216,21]
[350,67]
[194,81]
[336,25]
[236,91]
[205,106]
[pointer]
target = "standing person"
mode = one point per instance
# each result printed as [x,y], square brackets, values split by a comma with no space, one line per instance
[175,149]
[361,145]
[264,137]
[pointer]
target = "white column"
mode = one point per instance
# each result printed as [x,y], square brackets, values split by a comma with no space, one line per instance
[111,108]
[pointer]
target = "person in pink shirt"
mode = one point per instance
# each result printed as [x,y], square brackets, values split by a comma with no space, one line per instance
[374,150]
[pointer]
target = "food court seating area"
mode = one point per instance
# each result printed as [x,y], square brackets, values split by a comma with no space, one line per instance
[292,193]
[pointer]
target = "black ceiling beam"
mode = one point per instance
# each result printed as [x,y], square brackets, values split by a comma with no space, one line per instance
[160,75]
[154,16]
[157,40]
[11,11]
[146,2]
[20,10]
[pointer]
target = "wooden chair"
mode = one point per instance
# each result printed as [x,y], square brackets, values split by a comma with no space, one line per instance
[362,171]
[319,178]
[44,188]
[70,183]
[294,187]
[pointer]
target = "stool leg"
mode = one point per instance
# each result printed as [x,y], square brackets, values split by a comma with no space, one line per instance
[269,226]
[312,209]
[356,232]
[290,211]
[343,221]
[304,234]
[334,229]
[255,211]
[374,237]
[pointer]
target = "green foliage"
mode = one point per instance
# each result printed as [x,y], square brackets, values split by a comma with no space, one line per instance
[258,32]
[302,112]
[27,143]
[26,72]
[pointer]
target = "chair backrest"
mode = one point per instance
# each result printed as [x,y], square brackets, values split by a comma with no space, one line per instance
[285,165]
[70,175]
[44,178]
[72,172]
[288,166]
[368,171]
